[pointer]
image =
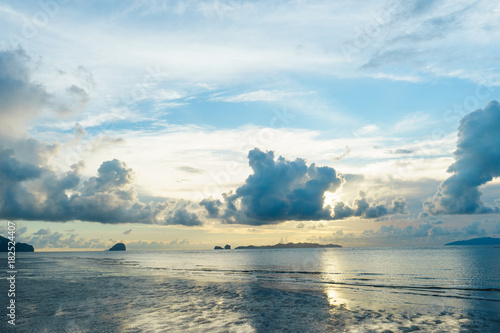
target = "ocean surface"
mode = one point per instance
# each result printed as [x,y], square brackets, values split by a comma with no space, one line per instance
[438,289]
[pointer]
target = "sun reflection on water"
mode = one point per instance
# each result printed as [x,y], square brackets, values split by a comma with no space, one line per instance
[334,299]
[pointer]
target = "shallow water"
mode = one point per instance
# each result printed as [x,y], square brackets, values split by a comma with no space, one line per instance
[441,289]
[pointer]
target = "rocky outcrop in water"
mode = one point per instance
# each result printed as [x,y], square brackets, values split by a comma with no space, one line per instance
[118,247]
[227,247]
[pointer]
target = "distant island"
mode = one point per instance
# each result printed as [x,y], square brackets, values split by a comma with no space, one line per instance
[20,247]
[288,246]
[118,247]
[227,247]
[477,241]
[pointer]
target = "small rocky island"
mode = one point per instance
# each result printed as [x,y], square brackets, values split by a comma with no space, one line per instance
[289,246]
[118,247]
[20,247]
[227,247]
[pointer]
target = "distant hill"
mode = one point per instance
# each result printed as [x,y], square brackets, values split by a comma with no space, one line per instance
[288,246]
[477,241]
[20,247]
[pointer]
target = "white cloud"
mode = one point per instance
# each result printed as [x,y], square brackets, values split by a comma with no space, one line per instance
[261,96]
[367,130]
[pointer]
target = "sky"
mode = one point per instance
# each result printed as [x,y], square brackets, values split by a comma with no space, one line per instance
[189,124]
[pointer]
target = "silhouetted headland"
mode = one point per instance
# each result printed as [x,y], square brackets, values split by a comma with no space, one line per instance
[478,241]
[20,247]
[289,246]
[118,247]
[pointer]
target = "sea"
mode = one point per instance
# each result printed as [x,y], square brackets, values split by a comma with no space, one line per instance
[430,289]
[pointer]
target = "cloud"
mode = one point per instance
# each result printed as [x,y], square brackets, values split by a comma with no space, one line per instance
[155,245]
[79,98]
[183,217]
[281,190]
[497,229]
[401,151]
[36,192]
[362,208]
[392,234]
[126,232]
[474,229]
[44,238]
[31,189]
[21,99]
[189,169]
[212,207]
[477,162]
[261,96]
[42,232]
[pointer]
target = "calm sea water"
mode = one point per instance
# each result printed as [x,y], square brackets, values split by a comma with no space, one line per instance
[442,289]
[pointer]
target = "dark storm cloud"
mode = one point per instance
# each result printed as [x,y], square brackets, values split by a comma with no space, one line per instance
[32,192]
[280,190]
[477,161]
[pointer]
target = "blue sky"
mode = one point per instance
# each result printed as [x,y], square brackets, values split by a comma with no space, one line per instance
[179,93]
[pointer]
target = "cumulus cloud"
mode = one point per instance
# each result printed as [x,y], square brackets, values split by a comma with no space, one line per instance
[36,192]
[477,161]
[362,208]
[280,190]
[212,207]
[183,217]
